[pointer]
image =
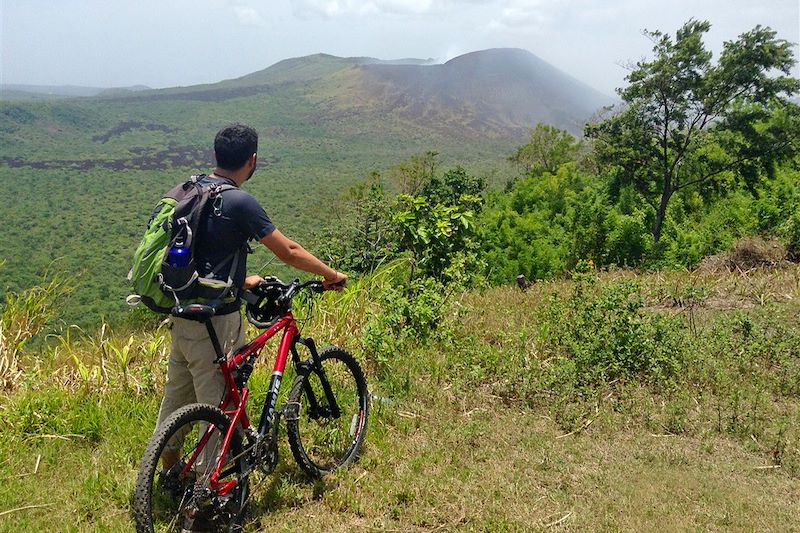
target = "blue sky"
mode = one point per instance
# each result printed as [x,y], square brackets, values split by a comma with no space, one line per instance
[164,43]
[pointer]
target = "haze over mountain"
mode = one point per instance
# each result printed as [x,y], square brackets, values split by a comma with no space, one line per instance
[497,92]
[12,91]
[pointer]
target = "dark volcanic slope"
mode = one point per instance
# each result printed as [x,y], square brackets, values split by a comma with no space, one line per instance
[499,91]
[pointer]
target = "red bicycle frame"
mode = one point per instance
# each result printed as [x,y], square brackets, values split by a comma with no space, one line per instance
[234,402]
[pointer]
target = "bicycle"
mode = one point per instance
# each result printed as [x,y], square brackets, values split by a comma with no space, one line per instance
[216,449]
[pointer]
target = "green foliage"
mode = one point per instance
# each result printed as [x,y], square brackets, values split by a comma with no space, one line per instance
[544,224]
[441,238]
[436,227]
[452,186]
[411,175]
[688,122]
[547,149]
[599,337]
[363,237]
[551,221]
[409,315]
[712,228]
[628,241]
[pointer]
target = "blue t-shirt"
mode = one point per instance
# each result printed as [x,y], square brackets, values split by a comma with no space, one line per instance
[234,218]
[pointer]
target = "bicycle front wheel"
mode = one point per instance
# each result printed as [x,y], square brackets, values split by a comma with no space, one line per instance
[326,424]
[180,498]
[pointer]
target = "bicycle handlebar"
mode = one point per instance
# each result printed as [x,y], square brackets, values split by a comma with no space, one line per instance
[282,301]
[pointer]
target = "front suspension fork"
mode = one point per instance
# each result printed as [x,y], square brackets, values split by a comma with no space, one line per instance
[314,365]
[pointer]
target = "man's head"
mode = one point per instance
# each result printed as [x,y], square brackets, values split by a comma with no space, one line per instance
[234,146]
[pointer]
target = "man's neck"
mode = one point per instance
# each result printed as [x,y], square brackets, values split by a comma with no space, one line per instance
[237,177]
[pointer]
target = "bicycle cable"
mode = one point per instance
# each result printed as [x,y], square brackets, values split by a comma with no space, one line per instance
[309,314]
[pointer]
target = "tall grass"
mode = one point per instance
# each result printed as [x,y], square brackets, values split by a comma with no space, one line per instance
[105,360]
[342,316]
[24,316]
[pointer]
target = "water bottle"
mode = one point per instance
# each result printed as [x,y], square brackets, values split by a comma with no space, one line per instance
[178,255]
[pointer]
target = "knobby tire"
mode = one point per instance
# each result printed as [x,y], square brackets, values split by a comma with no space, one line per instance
[156,509]
[327,443]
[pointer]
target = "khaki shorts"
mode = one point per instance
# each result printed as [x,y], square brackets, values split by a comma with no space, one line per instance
[192,375]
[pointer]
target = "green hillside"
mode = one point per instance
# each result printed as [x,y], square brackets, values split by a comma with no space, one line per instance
[596,333]
[82,175]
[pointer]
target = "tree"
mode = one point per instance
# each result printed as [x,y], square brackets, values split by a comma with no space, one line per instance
[410,176]
[547,149]
[364,236]
[688,121]
[442,239]
[438,224]
[451,186]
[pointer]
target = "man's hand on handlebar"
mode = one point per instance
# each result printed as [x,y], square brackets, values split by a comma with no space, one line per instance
[335,283]
[253,281]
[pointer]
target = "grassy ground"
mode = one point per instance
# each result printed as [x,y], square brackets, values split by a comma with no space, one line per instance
[466,433]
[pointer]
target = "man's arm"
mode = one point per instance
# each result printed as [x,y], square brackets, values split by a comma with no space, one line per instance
[298,257]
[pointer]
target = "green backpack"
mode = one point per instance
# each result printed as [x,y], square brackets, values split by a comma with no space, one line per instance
[161,283]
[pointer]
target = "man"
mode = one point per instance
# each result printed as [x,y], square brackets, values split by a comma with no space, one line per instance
[236,218]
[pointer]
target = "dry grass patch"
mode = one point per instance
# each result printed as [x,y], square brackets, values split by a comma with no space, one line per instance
[505,469]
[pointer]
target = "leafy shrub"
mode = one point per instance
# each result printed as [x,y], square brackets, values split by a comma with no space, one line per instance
[598,337]
[438,234]
[629,239]
[791,232]
[408,313]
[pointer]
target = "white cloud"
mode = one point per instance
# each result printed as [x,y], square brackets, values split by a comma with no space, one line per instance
[528,16]
[339,8]
[248,16]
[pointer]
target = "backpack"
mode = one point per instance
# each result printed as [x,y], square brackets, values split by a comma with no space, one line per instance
[163,278]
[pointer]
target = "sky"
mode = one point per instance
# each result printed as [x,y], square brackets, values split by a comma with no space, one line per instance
[167,43]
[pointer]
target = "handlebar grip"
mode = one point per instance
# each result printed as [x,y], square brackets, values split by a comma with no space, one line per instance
[317,287]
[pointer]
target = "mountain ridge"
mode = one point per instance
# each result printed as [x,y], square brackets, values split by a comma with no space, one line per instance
[503,91]
[499,91]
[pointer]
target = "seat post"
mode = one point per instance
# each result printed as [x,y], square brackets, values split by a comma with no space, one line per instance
[212,334]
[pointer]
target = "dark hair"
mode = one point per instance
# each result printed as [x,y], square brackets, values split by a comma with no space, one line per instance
[233,145]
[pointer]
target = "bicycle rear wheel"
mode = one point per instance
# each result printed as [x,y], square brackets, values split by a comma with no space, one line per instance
[181,499]
[321,438]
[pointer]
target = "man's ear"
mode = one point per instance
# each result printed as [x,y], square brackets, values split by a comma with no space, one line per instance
[254,158]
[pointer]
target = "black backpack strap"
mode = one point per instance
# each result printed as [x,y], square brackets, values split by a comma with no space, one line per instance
[233,259]
[215,195]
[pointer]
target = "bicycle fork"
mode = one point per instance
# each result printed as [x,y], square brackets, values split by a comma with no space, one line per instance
[314,365]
